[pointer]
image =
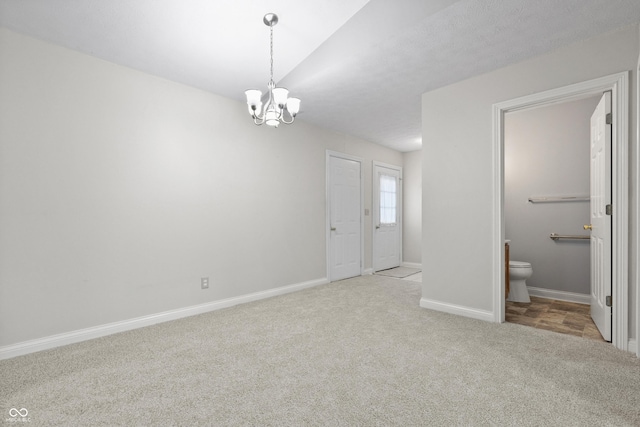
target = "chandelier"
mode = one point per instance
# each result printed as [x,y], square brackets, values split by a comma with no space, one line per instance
[273,112]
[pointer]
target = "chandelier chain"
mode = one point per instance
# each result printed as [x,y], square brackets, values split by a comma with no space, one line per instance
[271,28]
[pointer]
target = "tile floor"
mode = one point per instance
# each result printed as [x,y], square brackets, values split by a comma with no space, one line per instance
[553,315]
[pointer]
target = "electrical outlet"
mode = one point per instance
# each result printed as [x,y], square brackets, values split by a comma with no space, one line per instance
[204,283]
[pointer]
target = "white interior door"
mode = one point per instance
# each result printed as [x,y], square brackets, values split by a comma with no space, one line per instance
[600,219]
[387,217]
[345,218]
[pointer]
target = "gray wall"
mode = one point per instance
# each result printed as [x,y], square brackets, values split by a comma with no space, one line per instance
[412,207]
[119,190]
[546,153]
[458,171]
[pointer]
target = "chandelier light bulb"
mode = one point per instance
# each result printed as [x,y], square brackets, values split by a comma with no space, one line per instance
[293,106]
[253,96]
[280,95]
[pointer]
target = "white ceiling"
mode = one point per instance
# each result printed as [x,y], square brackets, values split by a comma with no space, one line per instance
[359,66]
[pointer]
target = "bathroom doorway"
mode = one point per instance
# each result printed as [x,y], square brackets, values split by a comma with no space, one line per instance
[546,194]
[618,85]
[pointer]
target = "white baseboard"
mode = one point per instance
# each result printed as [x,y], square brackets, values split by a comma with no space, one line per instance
[367,271]
[411,265]
[560,295]
[457,310]
[633,347]
[72,337]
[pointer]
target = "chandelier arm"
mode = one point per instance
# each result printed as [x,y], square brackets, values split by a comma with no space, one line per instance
[282,119]
[258,119]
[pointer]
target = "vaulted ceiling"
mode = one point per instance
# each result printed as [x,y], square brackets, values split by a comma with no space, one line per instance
[359,66]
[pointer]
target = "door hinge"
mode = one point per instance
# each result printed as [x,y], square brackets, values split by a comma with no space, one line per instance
[608,301]
[609,118]
[609,210]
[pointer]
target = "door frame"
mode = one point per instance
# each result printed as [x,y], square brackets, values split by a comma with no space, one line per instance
[636,279]
[329,154]
[373,214]
[618,84]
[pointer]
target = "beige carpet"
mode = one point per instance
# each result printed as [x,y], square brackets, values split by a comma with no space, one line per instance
[360,352]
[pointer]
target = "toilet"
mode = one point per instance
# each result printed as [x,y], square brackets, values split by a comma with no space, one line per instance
[519,272]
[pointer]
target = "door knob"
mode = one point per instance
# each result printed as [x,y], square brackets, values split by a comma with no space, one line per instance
[333,229]
[587,227]
[377,226]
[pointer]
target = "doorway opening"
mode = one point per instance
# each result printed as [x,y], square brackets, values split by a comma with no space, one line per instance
[618,85]
[546,203]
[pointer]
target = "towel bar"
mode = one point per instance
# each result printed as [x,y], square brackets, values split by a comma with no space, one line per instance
[559,199]
[557,237]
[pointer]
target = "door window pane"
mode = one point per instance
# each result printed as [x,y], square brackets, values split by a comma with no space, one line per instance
[388,198]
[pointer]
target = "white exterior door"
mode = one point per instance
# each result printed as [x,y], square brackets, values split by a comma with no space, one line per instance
[387,216]
[601,220]
[345,218]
